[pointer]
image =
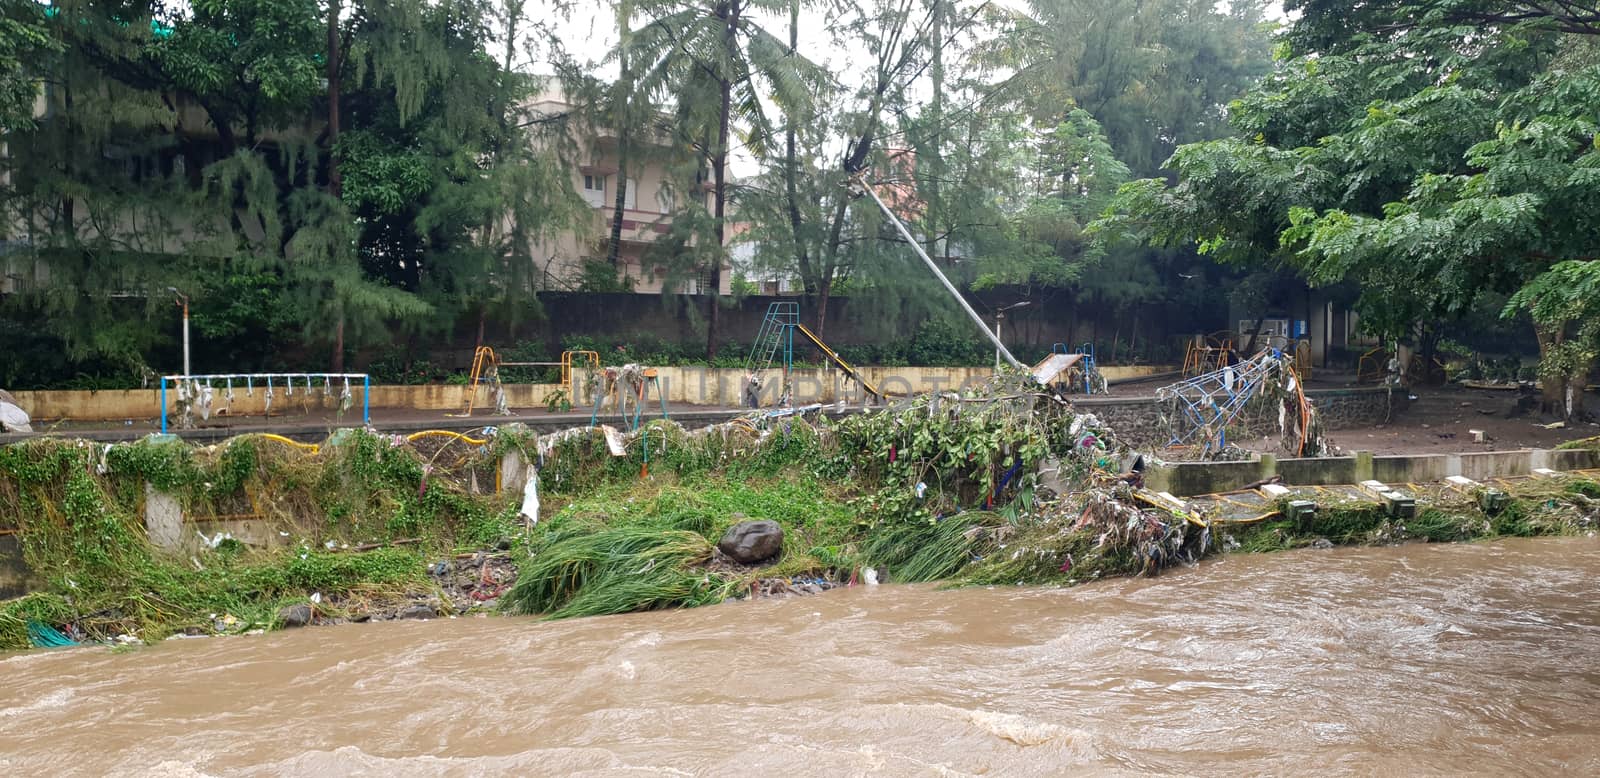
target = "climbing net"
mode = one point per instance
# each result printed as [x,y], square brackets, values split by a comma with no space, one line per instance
[202,395]
[1200,410]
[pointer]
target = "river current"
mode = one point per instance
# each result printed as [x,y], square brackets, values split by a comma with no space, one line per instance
[1414,660]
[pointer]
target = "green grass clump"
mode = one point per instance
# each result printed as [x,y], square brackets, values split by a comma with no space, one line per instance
[643,546]
[928,550]
[584,570]
[1443,526]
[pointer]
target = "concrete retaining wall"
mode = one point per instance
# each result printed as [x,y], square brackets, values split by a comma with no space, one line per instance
[683,385]
[1185,479]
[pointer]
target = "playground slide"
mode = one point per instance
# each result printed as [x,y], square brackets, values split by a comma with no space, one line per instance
[839,361]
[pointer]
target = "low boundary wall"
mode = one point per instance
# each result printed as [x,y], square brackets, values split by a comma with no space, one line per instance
[682,385]
[1187,479]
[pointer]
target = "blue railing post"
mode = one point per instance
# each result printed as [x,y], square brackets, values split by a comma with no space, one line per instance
[163,405]
[366,399]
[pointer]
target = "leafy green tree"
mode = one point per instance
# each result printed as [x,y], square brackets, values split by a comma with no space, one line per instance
[1154,74]
[25,42]
[200,140]
[1429,162]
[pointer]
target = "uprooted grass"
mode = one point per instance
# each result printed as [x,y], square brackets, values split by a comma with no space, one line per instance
[78,508]
[644,546]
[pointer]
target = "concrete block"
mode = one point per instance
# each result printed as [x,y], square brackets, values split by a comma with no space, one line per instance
[1275,492]
[1543,472]
[163,519]
[1301,512]
[513,471]
[16,578]
[1400,505]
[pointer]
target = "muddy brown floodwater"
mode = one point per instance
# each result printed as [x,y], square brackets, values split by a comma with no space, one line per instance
[1423,659]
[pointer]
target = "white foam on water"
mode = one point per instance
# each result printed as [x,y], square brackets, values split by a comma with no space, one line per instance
[52,700]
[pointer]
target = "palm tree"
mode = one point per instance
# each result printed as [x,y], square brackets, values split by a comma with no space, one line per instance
[621,104]
[692,48]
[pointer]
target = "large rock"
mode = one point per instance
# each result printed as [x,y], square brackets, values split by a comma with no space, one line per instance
[419,611]
[295,615]
[749,542]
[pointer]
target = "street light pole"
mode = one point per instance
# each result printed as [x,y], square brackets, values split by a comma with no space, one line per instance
[1000,316]
[183,300]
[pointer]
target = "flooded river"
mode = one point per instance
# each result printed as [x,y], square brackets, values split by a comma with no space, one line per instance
[1426,659]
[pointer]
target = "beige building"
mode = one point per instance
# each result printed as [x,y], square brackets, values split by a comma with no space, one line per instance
[649,202]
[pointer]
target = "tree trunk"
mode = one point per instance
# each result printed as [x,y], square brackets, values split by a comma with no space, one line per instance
[334,182]
[1552,383]
[1255,332]
[824,290]
[729,13]
[623,115]
[338,343]
[935,162]
[791,175]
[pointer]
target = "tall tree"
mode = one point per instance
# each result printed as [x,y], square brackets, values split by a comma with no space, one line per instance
[692,49]
[25,46]
[190,141]
[1429,162]
[622,122]
[1154,73]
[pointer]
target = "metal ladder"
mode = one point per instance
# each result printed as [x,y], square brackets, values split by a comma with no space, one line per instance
[776,334]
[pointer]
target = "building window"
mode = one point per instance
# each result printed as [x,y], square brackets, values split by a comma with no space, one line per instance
[594,190]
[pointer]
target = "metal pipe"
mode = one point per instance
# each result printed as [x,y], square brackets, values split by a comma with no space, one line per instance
[183,300]
[949,287]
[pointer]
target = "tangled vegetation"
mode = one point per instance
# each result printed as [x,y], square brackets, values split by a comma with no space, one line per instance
[947,488]
[77,508]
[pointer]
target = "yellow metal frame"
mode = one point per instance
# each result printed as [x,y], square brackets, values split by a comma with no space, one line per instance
[833,356]
[567,360]
[1302,359]
[1206,354]
[483,359]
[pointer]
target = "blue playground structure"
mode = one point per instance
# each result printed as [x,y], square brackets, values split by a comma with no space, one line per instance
[775,342]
